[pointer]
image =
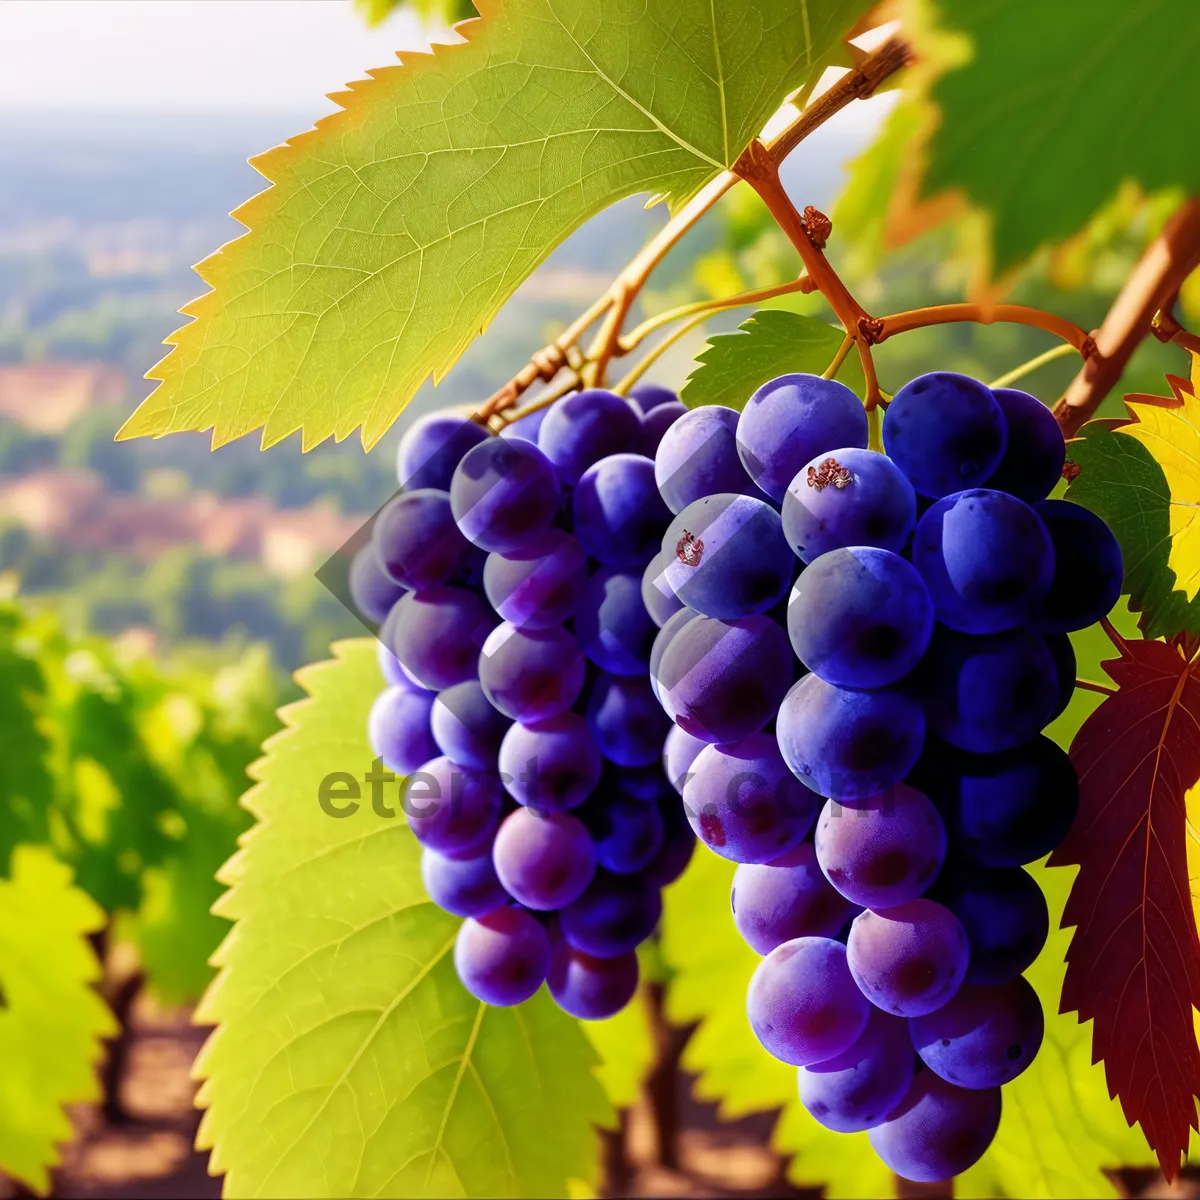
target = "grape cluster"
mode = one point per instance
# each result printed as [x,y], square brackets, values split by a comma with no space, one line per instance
[506,576]
[882,805]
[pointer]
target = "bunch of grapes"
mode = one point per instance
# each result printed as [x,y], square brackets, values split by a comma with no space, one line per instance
[883,804]
[507,578]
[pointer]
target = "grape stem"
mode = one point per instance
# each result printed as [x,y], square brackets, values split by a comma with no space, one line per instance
[1090,685]
[979,314]
[1033,364]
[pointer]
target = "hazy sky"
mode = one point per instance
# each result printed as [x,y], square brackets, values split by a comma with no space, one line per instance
[189,54]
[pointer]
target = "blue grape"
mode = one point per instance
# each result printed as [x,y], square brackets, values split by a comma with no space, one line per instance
[989,692]
[628,833]
[984,1037]
[660,601]
[398,728]
[938,1130]
[787,898]
[374,594]
[544,860]
[945,432]
[678,844]
[551,766]
[464,887]
[908,960]
[502,958]
[393,672]
[437,635]
[1088,569]
[539,585]
[612,623]
[416,540]
[628,723]
[591,989]
[859,617]
[527,428]
[698,457]
[1004,915]
[618,514]
[466,727]
[802,1003]
[985,557]
[531,674]
[432,447]
[504,494]
[855,1090]
[664,637]
[884,850]
[723,680]
[1063,654]
[1034,451]
[848,744]
[451,809]
[726,556]
[848,497]
[583,428]
[743,803]
[613,916]
[792,419]
[680,751]
[656,423]
[646,397]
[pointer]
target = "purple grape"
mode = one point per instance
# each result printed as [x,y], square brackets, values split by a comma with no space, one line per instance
[1063,654]
[1088,568]
[531,674]
[646,397]
[618,515]
[539,585]
[679,753]
[504,494]
[660,601]
[393,672]
[908,960]
[1004,915]
[664,637]
[802,1003]
[679,842]
[543,860]
[372,592]
[698,457]
[627,721]
[656,423]
[527,427]
[451,809]
[743,803]
[612,623]
[628,833]
[791,420]
[432,447]
[465,887]
[855,1090]
[588,988]
[398,728]
[551,766]
[502,958]
[1035,451]
[583,428]
[788,898]
[848,497]
[614,916]
[416,540]
[466,728]
[437,635]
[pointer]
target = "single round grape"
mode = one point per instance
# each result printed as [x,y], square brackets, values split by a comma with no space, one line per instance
[502,958]
[539,585]
[698,457]
[860,617]
[802,1003]
[664,637]
[656,423]
[451,809]
[743,803]
[504,494]
[1063,653]
[679,842]
[646,397]
[1035,450]
[679,753]
[792,419]
[583,428]
[432,447]
[1088,568]
[983,1038]
[855,1090]
[773,903]
[884,850]
[848,744]
[1004,914]
[613,916]
[723,680]
[527,428]
[726,556]
[467,728]
[551,766]
[531,674]
[660,601]
[628,722]
[945,432]
[848,497]
[628,833]
[985,557]
[416,540]
[591,989]
[618,514]
[612,623]
[990,692]
[938,1130]
[908,960]
[374,594]
[398,728]
[544,860]
[437,635]
[465,887]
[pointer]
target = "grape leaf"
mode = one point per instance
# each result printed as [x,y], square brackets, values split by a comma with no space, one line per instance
[52,1020]
[1068,104]
[771,342]
[348,1060]
[397,227]
[1134,963]
[625,1045]
[446,11]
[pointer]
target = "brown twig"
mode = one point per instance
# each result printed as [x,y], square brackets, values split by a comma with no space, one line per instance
[1090,685]
[1019,314]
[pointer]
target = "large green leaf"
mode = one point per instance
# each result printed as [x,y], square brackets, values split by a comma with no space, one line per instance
[1057,104]
[398,226]
[348,1060]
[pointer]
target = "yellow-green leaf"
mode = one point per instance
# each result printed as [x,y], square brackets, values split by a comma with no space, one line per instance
[625,1044]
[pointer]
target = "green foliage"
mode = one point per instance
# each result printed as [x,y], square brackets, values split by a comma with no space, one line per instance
[447,12]
[348,1058]
[625,1044]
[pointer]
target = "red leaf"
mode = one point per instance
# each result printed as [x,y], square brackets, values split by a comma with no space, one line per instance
[1134,963]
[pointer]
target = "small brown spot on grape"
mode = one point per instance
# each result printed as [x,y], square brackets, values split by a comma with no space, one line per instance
[689,549]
